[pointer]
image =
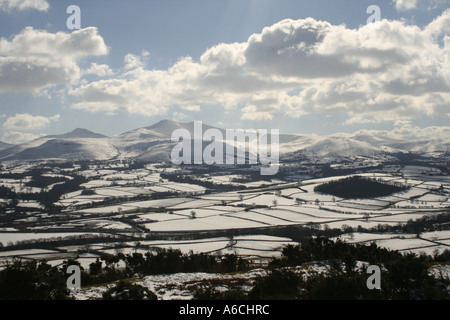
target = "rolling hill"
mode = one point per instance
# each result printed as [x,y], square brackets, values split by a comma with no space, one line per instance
[153,143]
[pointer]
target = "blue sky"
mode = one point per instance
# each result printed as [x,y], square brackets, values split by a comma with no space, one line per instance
[297,66]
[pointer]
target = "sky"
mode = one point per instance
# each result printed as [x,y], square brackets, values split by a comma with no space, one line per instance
[321,67]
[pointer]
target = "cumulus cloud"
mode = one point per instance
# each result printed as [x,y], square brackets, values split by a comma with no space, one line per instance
[140,91]
[256,115]
[193,108]
[395,71]
[16,137]
[404,130]
[179,116]
[26,122]
[20,5]
[404,5]
[100,70]
[16,129]
[36,59]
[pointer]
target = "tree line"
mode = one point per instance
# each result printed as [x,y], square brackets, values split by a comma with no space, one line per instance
[29,280]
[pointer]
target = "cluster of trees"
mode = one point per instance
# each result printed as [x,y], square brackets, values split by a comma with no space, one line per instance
[252,176]
[29,280]
[217,187]
[359,187]
[32,280]
[46,197]
[105,269]
[39,179]
[403,277]
[324,249]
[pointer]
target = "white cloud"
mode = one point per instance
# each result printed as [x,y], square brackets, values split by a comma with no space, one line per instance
[404,130]
[256,116]
[9,5]
[36,59]
[133,61]
[179,116]
[140,91]
[27,122]
[361,119]
[439,27]
[100,70]
[15,128]
[404,5]
[194,108]
[395,71]
[16,137]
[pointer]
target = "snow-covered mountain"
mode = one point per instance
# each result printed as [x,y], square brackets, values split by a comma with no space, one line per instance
[153,143]
[78,133]
[4,145]
[79,144]
[339,147]
[429,143]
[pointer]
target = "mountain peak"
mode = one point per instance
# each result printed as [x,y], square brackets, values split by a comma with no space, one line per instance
[166,123]
[166,127]
[79,133]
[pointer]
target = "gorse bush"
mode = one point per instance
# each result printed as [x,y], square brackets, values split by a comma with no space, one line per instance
[32,281]
[128,291]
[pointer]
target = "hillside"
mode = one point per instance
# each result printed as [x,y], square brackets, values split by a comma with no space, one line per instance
[153,143]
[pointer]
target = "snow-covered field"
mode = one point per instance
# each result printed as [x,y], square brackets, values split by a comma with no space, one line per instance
[285,205]
[427,242]
[191,209]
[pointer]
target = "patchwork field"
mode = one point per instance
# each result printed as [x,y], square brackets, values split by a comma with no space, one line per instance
[132,208]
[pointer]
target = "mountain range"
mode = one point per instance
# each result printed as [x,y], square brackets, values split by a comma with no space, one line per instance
[153,143]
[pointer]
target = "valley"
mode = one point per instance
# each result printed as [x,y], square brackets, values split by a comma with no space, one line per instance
[56,210]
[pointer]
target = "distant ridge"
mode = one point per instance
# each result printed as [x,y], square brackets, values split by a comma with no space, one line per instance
[165,125]
[4,145]
[154,143]
[78,133]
